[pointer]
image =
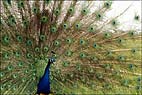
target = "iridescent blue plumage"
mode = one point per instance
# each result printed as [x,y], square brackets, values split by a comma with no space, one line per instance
[44,82]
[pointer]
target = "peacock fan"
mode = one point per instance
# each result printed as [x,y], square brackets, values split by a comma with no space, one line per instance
[90,53]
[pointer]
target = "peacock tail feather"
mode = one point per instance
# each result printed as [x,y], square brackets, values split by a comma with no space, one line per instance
[93,55]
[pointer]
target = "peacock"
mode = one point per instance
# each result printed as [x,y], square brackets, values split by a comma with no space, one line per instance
[91,53]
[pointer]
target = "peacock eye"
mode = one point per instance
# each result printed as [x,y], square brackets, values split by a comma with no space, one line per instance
[10,67]
[107,35]
[46,49]
[120,40]
[29,55]
[65,63]
[68,53]
[131,33]
[133,50]
[6,39]
[82,55]
[12,20]
[109,53]
[65,26]
[17,54]
[57,43]
[26,71]
[130,66]
[57,12]
[19,38]
[107,4]
[42,37]
[44,19]
[91,29]
[6,55]
[20,63]
[20,4]
[25,23]
[53,29]
[29,42]
[121,58]
[138,87]
[35,10]
[1,74]
[106,66]
[77,26]
[139,79]
[82,42]
[136,17]
[113,22]
[8,1]
[14,75]
[37,49]
[2,87]
[71,10]
[98,16]
[95,45]
[68,40]
[84,11]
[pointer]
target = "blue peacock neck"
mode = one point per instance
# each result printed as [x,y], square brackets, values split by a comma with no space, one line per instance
[44,82]
[47,72]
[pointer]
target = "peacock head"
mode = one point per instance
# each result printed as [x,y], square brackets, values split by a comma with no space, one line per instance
[52,58]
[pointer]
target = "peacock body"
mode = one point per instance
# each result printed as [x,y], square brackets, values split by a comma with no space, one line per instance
[93,56]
